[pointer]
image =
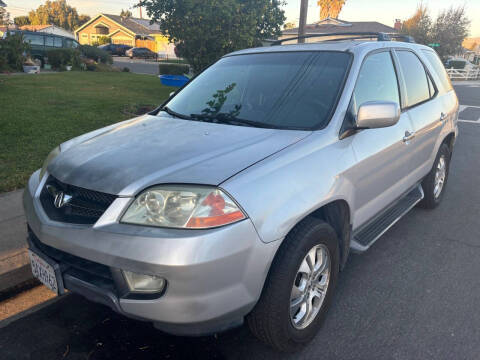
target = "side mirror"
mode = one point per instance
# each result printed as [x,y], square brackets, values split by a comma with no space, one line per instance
[377,114]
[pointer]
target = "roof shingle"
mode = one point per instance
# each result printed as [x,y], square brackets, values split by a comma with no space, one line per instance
[135,25]
[342,26]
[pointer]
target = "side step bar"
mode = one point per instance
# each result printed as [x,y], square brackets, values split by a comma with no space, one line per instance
[364,237]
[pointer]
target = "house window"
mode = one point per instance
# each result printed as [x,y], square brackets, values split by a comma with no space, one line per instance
[101,30]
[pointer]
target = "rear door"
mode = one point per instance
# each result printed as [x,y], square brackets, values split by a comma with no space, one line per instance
[381,167]
[425,109]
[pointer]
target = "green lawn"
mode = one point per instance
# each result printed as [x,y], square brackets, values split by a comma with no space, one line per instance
[38,112]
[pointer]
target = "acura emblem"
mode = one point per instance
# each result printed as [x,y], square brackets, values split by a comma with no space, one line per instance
[60,199]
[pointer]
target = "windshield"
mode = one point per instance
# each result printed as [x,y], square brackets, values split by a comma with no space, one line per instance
[296,90]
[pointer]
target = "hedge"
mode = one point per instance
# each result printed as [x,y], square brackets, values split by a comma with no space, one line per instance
[174,69]
[96,54]
[59,58]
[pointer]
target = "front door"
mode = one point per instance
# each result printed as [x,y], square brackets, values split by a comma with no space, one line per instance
[379,175]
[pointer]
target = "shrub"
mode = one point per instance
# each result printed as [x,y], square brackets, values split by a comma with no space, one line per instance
[101,68]
[13,52]
[59,58]
[96,54]
[125,69]
[174,69]
[103,40]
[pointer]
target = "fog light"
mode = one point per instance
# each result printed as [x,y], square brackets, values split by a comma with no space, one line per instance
[142,283]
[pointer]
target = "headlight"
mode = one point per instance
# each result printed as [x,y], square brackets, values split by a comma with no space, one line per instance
[183,207]
[53,154]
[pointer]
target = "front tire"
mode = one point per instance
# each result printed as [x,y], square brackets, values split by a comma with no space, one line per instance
[434,183]
[299,287]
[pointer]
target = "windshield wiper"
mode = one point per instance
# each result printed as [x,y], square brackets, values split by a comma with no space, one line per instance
[223,118]
[175,114]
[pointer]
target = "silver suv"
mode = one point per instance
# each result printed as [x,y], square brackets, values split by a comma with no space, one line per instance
[241,197]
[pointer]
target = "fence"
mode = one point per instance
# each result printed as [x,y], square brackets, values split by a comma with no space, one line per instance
[462,74]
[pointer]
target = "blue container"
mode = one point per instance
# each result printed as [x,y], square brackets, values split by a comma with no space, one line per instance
[173,80]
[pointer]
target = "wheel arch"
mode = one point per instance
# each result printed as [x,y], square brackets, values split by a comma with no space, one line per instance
[336,213]
[449,140]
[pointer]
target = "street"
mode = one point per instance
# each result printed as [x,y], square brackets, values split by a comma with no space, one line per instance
[414,294]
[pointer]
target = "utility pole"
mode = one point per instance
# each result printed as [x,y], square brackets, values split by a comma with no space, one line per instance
[303,20]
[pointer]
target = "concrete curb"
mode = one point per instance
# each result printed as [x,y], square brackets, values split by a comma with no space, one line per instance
[14,268]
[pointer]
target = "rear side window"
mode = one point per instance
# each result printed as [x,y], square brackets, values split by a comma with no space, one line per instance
[376,81]
[48,41]
[58,42]
[415,78]
[437,66]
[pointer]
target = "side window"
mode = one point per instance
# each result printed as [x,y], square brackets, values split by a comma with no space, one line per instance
[48,41]
[416,80]
[34,39]
[377,81]
[439,69]
[58,42]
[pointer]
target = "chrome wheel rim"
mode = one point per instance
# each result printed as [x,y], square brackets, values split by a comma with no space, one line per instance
[440,175]
[310,286]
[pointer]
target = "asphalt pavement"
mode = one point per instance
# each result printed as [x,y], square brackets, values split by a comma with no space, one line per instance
[414,294]
[138,66]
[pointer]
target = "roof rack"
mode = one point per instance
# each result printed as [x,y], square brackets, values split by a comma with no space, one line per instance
[379,36]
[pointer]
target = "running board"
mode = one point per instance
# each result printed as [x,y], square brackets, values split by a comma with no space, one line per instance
[364,237]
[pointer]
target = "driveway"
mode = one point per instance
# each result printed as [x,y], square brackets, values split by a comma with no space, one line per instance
[415,294]
[138,66]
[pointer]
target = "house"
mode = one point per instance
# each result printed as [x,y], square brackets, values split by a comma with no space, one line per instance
[330,25]
[124,30]
[48,29]
[472,49]
[4,29]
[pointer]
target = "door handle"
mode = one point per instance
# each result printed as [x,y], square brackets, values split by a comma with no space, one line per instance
[443,116]
[408,136]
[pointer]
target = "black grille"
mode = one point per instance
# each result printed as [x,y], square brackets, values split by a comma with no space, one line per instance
[85,207]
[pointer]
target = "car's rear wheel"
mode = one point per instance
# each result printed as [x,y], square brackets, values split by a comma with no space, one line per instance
[299,287]
[434,183]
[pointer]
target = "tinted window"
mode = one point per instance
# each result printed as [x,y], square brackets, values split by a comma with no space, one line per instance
[58,42]
[48,41]
[34,39]
[376,81]
[281,90]
[415,78]
[437,65]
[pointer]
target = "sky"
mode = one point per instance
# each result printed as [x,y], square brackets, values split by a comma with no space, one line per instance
[384,11]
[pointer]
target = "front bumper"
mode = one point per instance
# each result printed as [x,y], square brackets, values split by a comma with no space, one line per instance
[214,276]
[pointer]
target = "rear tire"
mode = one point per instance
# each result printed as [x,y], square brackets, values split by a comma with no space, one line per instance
[434,183]
[275,319]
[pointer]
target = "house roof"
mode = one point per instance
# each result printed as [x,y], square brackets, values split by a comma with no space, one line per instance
[330,25]
[134,25]
[34,27]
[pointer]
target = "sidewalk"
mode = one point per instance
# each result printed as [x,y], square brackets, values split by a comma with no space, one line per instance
[14,262]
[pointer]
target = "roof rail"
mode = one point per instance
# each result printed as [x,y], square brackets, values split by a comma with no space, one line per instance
[379,36]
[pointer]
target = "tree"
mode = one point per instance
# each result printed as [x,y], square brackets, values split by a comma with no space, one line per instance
[203,31]
[126,13]
[82,19]
[289,25]
[449,30]
[419,26]
[330,8]
[57,13]
[21,20]
[4,17]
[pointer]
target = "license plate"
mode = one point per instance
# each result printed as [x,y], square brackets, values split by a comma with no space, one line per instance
[43,271]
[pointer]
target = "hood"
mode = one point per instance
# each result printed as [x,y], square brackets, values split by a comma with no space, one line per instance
[125,158]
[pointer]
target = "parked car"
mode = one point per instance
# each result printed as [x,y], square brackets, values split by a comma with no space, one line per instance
[460,63]
[241,197]
[115,49]
[140,52]
[40,43]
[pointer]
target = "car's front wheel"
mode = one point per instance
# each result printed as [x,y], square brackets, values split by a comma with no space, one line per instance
[299,287]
